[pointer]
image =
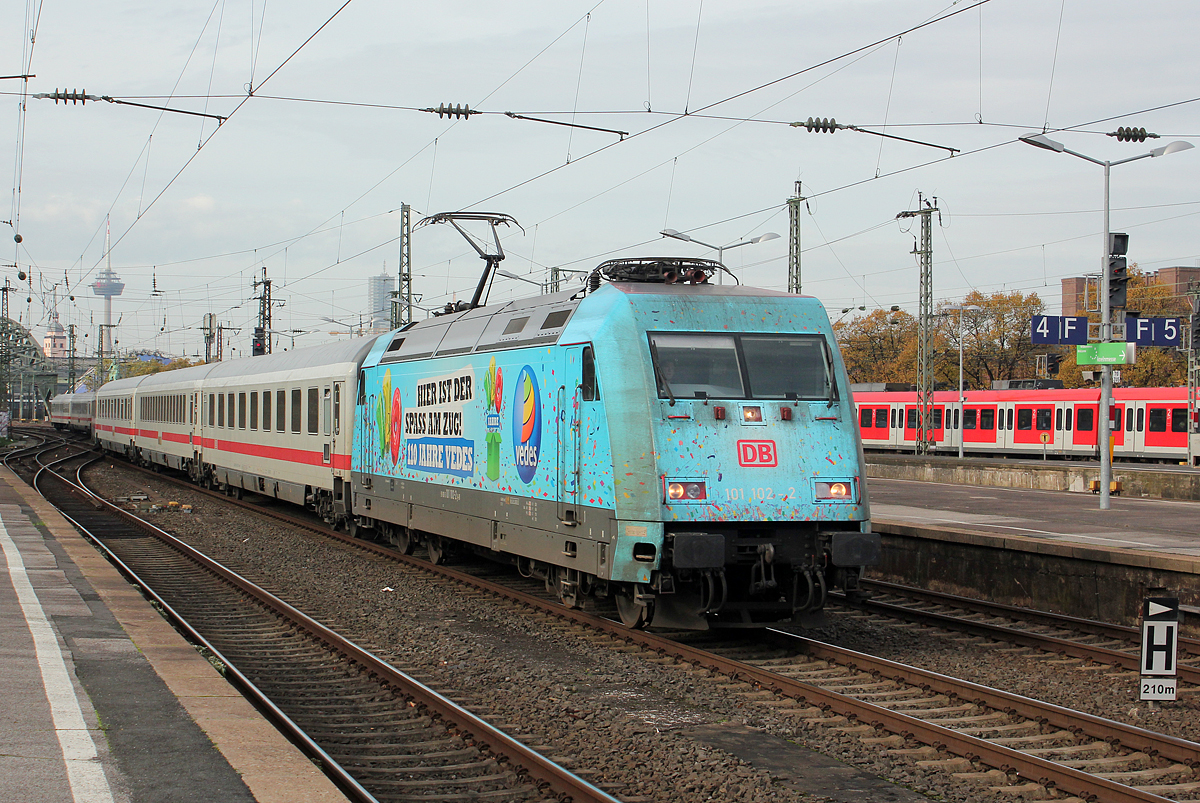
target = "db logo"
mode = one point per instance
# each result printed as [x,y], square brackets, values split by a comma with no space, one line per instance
[757,453]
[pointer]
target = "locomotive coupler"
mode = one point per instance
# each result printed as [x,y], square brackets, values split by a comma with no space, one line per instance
[762,574]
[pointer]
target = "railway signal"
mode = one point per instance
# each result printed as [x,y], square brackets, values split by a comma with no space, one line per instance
[1160,632]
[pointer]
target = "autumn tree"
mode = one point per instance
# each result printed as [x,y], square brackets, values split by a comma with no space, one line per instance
[1156,367]
[880,346]
[137,367]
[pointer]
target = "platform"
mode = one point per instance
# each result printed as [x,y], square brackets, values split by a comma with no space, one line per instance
[1155,525]
[1051,550]
[103,700]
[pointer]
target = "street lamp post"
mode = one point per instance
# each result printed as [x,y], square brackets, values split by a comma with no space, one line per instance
[720,249]
[1042,141]
[962,309]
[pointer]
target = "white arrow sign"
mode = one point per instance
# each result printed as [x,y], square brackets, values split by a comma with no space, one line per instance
[1154,609]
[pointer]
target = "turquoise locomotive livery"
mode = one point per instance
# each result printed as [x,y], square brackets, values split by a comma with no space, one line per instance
[690,450]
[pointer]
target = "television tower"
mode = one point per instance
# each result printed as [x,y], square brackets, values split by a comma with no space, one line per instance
[107,285]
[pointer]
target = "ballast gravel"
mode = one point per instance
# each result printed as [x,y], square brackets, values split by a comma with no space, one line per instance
[622,720]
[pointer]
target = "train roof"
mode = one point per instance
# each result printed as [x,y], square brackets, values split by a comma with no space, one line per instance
[343,351]
[534,321]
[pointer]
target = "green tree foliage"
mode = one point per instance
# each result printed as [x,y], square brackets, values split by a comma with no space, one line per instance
[136,367]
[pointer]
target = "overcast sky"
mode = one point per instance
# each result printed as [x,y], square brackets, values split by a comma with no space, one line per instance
[306,178]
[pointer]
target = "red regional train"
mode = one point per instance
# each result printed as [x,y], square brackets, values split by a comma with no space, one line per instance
[1147,423]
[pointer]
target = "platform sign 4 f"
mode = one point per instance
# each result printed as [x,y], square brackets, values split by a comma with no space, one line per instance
[1059,329]
[1160,636]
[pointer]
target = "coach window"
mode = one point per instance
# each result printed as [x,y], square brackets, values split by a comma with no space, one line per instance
[864,418]
[314,412]
[1058,419]
[297,397]
[1116,425]
[1024,419]
[221,410]
[229,409]
[1045,419]
[266,396]
[969,418]
[1141,418]
[1129,421]
[881,418]
[280,410]
[1069,412]
[956,419]
[1010,419]
[326,412]
[893,419]
[1084,419]
[241,411]
[210,404]
[937,418]
[912,418]
[254,409]
[1179,419]
[1157,419]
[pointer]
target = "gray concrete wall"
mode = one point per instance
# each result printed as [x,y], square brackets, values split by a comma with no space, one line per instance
[1057,576]
[1053,476]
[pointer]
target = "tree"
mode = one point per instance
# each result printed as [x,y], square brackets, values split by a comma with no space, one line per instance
[880,346]
[996,341]
[1156,367]
[138,367]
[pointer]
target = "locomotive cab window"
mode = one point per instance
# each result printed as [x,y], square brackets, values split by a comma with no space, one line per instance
[741,366]
[591,391]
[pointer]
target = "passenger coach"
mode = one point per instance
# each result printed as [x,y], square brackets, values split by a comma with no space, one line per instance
[1147,423]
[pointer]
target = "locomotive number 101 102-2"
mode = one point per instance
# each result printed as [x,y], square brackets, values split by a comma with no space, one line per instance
[759,494]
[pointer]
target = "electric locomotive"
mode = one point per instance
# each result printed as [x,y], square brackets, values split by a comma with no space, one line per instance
[690,450]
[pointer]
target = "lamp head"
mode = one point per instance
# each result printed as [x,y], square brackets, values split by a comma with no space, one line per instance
[1043,141]
[1174,147]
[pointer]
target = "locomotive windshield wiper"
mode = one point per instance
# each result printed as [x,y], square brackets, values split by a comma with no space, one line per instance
[658,377]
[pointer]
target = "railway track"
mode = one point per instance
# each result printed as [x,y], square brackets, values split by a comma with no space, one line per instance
[1098,642]
[380,734]
[984,735]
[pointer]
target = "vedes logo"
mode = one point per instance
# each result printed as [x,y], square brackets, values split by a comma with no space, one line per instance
[527,424]
[759,454]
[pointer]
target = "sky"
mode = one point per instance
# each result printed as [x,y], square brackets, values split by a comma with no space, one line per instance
[323,142]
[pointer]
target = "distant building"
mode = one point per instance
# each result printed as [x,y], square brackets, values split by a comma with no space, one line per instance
[1074,289]
[379,302]
[54,344]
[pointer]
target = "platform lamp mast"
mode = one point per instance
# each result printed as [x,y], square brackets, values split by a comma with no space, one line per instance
[924,252]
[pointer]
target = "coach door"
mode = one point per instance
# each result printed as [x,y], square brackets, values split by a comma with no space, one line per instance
[328,426]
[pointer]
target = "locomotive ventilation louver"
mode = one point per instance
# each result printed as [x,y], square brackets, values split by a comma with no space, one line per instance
[659,270]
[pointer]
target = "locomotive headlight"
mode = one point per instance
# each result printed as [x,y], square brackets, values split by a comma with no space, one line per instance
[836,491]
[683,491]
[752,414]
